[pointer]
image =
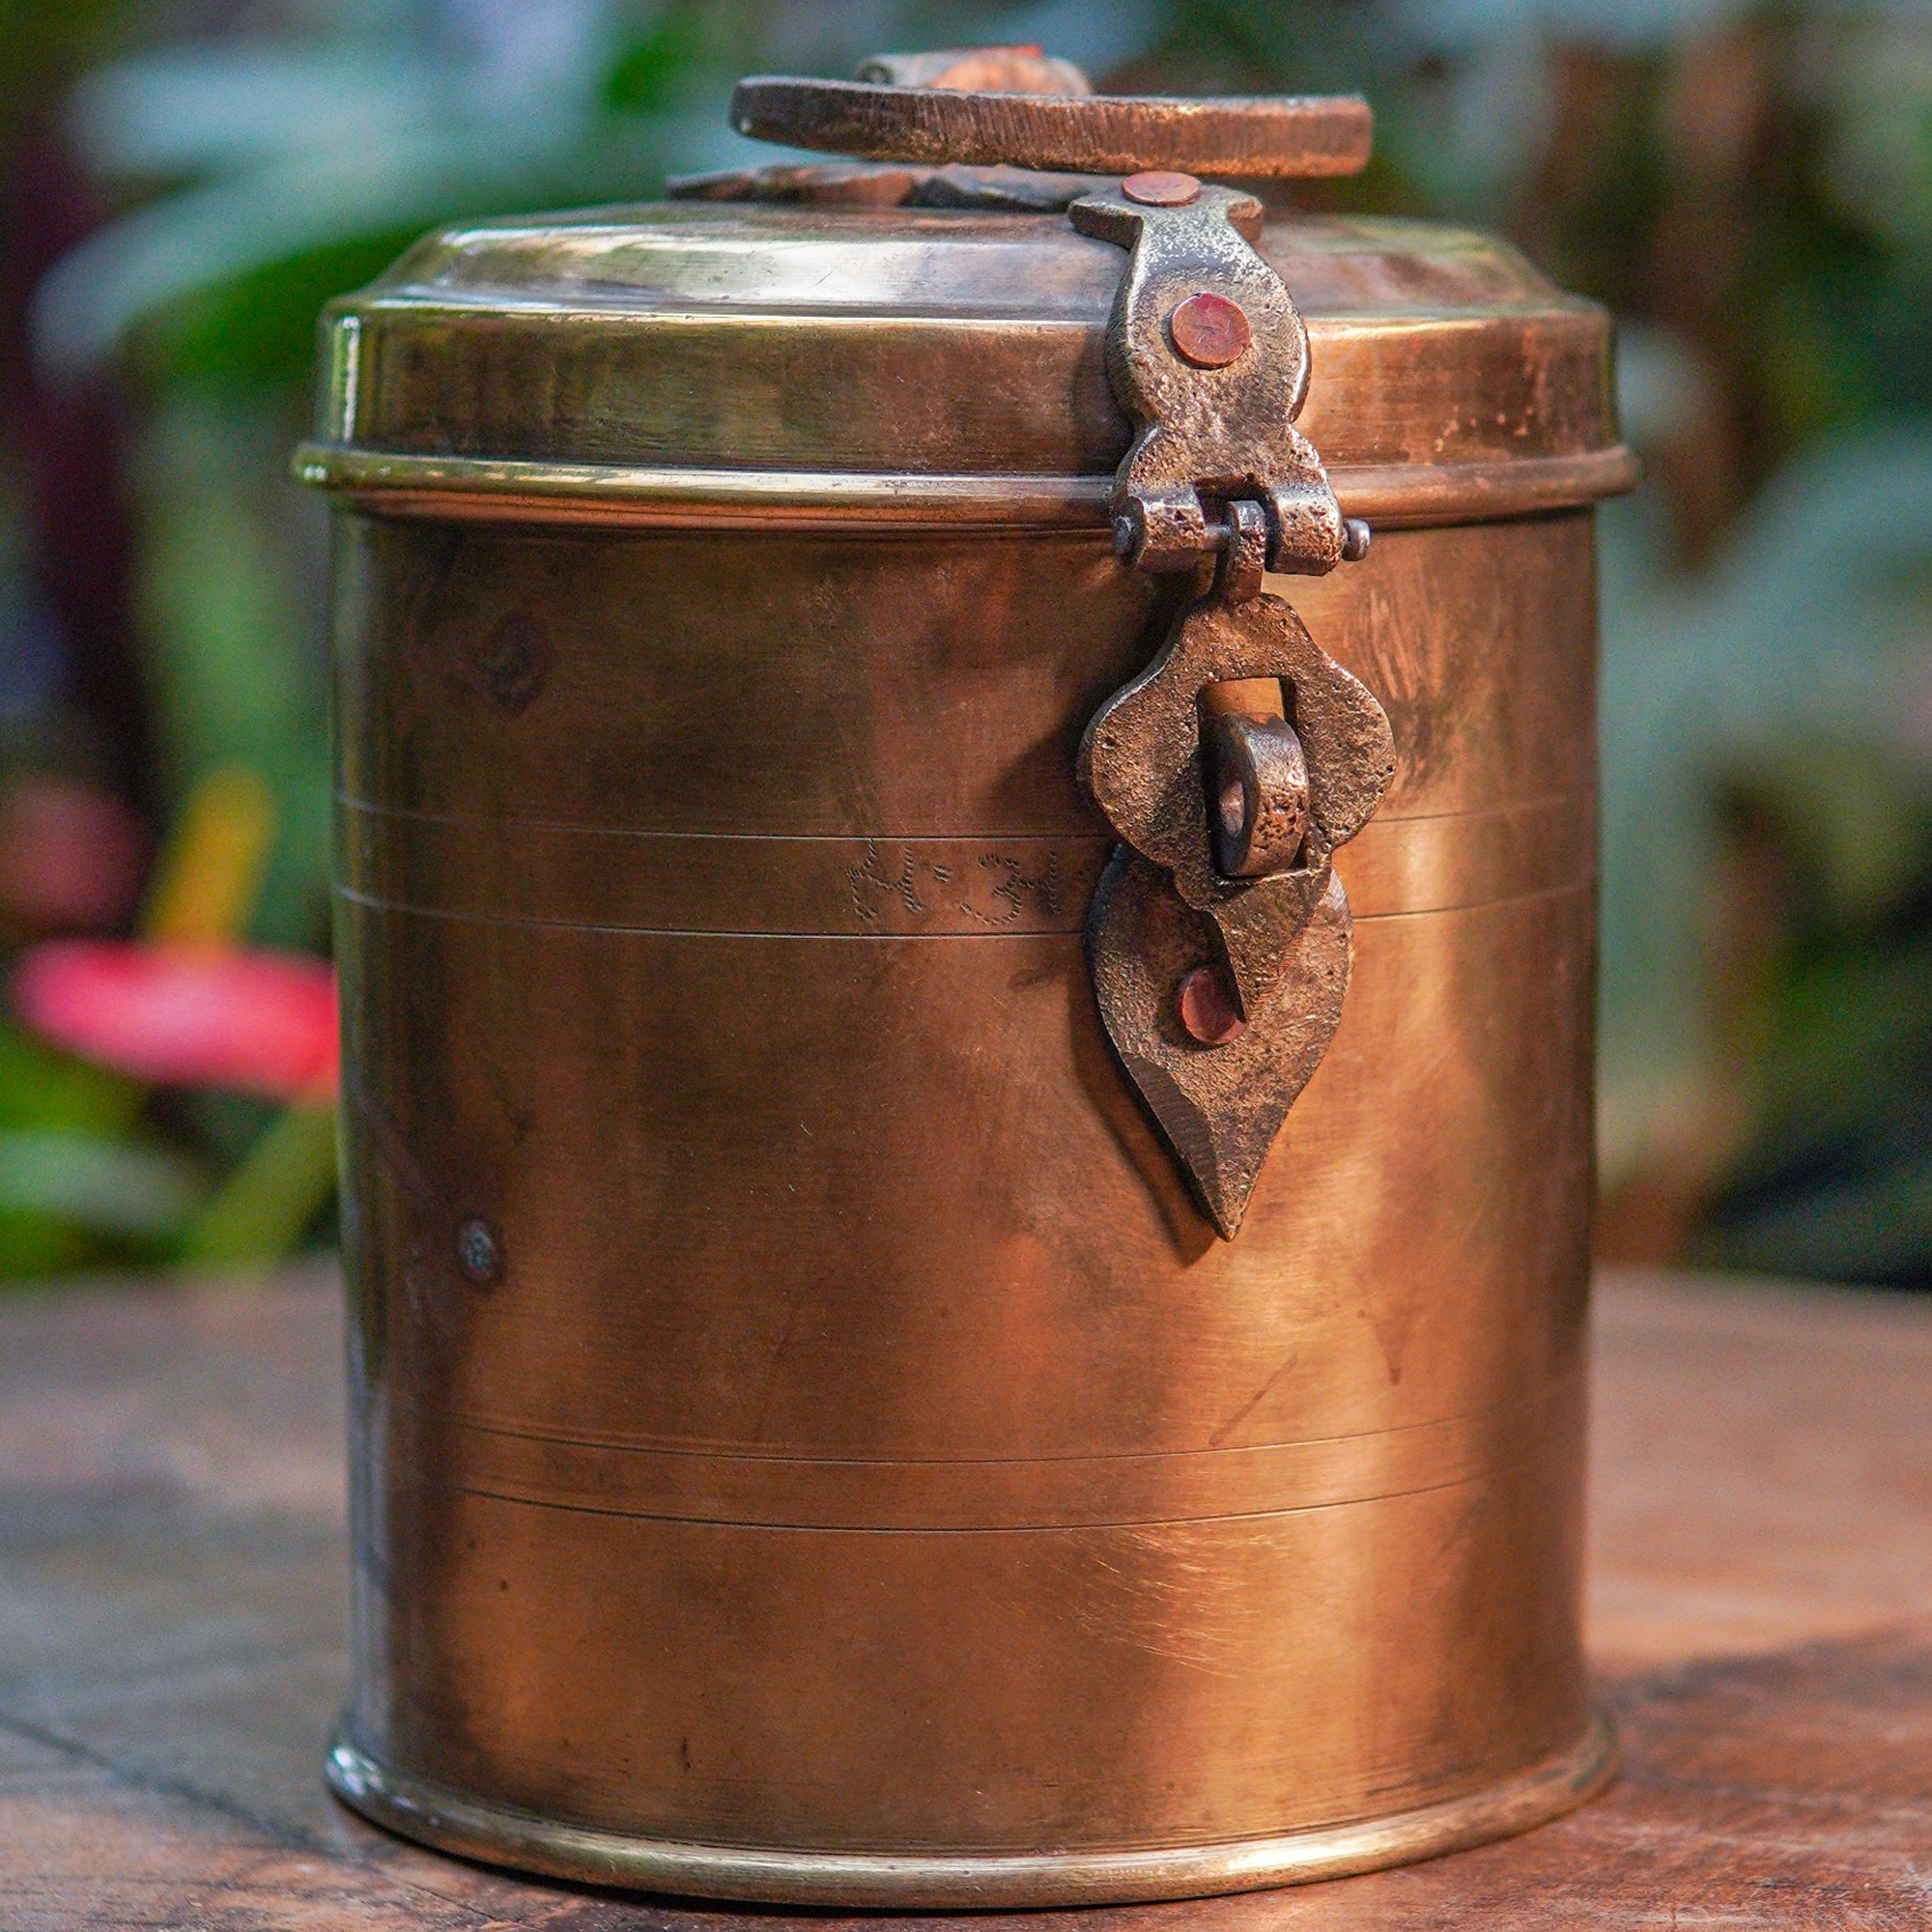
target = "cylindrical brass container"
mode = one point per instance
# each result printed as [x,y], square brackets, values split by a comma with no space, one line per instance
[811,1440]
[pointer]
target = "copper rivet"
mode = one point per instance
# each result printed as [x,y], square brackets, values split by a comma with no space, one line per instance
[1161,187]
[477,1252]
[1210,330]
[1205,1010]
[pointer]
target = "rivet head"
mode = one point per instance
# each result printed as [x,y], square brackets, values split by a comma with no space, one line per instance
[1161,187]
[1210,330]
[1205,1009]
[478,1253]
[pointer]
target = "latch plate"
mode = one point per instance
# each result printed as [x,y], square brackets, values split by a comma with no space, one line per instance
[1217,471]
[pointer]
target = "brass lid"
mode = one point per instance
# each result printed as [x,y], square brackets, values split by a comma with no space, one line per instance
[739,364]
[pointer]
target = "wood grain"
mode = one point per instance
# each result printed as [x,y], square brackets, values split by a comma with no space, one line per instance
[171,1632]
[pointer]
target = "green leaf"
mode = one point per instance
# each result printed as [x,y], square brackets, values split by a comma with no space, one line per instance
[298,227]
[240,673]
[40,1088]
[263,1208]
[654,70]
[114,1188]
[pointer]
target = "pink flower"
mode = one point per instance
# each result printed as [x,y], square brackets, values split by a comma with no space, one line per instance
[186,1015]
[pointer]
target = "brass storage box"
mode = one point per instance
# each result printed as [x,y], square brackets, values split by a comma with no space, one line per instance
[809,1444]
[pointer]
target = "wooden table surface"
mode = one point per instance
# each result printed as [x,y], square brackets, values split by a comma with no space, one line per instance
[171,1638]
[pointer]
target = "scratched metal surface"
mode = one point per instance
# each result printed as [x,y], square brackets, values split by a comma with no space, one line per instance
[172,1577]
[824,1211]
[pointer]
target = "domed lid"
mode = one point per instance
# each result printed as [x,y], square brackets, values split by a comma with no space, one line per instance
[924,345]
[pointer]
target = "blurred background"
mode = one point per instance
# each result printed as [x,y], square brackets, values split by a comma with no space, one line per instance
[182,182]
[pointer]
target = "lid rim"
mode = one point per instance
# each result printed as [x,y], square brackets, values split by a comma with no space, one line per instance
[800,341]
[507,490]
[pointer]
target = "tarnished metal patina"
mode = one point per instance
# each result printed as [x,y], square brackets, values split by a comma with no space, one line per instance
[1010,107]
[1282,936]
[921,1337]
[1209,358]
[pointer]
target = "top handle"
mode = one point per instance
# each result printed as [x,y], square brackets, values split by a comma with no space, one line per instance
[1013,107]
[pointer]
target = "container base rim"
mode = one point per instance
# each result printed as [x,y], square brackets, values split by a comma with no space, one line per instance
[926,1881]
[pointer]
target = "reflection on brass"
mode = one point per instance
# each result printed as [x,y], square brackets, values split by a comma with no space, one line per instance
[809,1442]
[509,490]
[912,1881]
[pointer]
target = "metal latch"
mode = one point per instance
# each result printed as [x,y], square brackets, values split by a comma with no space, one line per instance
[1219,937]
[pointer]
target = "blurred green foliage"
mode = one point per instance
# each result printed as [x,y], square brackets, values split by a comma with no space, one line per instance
[76,1181]
[1749,189]
[236,679]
